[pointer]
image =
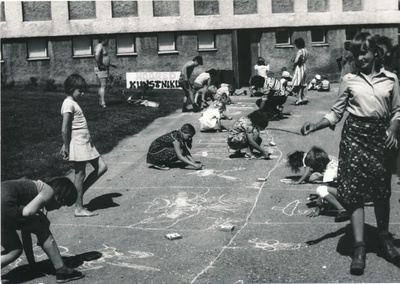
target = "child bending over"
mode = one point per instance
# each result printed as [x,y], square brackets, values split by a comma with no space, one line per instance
[172,147]
[245,134]
[319,167]
[21,204]
[210,121]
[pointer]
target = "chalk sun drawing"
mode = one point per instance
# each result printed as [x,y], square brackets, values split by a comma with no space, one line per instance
[169,210]
[217,173]
[109,256]
[291,209]
[274,245]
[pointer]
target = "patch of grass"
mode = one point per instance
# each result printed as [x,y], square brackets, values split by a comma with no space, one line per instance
[31,126]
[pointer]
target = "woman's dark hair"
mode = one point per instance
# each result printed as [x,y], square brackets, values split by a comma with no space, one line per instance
[199,59]
[64,190]
[257,81]
[364,42]
[295,160]
[299,43]
[317,159]
[74,82]
[259,119]
[188,129]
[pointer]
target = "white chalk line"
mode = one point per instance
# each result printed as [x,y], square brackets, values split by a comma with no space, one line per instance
[244,225]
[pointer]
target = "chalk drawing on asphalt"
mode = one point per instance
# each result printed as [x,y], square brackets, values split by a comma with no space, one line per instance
[291,208]
[217,173]
[168,210]
[109,256]
[274,245]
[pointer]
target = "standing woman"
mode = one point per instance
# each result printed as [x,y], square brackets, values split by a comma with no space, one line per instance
[371,96]
[299,71]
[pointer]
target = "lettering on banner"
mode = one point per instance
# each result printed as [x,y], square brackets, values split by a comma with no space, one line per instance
[154,80]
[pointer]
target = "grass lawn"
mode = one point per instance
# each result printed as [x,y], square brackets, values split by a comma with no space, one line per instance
[31,126]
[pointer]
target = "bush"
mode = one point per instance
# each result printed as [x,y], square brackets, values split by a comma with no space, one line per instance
[50,85]
[33,81]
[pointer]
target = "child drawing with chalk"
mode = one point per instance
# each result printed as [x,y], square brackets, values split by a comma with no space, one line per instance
[245,134]
[173,147]
[210,121]
[319,167]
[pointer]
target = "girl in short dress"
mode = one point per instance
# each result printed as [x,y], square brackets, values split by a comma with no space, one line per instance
[300,71]
[172,147]
[372,98]
[77,146]
[245,134]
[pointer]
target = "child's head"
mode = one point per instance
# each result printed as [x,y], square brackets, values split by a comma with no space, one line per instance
[295,160]
[65,192]
[198,59]
[286,75]
[223,98]
[316,158]
[260,61]
[212,90]
[299,43]
[212,72]
[74,82]
[259,119]
[347,45]
[283,69]
[220,106]
[318,77]
[361,45]
[188,131]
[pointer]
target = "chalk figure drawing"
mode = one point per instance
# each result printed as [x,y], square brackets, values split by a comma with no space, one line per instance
[109,256]
[291,209]
[167,211]
[274,245]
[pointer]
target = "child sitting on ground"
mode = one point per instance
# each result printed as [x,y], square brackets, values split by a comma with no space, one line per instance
[245,134]
[286,81]
[21,204]
[172,147]
[325,85]
[319,168]
[230,90]
[210,121]
[315,83]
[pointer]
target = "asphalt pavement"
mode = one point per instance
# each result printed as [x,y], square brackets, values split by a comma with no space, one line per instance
[272,239]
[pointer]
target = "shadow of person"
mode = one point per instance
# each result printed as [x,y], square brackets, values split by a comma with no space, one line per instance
[341,231]
[26,273]
[103,201]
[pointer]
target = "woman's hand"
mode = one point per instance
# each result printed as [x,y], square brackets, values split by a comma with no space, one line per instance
[64,152]
[391,140]
[308,128]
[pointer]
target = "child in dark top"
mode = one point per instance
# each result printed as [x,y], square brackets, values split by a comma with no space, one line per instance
[21,204]
[172,147]
[319,168]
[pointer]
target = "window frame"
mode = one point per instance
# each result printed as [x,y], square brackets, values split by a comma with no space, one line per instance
[29,41]
[1,53]
[289,35]
[82,55]
[172,51]
[324,42]
[134,52]
[214,48]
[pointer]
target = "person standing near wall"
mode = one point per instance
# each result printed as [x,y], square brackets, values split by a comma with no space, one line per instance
[372,98]
[299,71]
[184,81]
[102,68]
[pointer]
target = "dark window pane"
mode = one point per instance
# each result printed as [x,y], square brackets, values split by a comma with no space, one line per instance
[165,8]
[353,5]
[124,9]
[2,13]
[36,11]
[241,7]
[206,7]
[318,5]
[282,6]
[79,10]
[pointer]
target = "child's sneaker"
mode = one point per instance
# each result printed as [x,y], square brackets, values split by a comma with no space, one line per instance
[70,275]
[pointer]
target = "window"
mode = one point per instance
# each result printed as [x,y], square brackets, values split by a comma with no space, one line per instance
[36,11]
[318,35]
[206,40]
[126,45]
[206,7]
[124,9]
[1,54]
[282,37]
[166,43]
[82,46]
[37,48]
[282,6]
[79,10]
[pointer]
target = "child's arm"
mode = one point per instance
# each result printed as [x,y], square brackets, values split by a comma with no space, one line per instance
[223,116]
[184,159]
[66,134]
[317,210]
[254,144]
[305,175]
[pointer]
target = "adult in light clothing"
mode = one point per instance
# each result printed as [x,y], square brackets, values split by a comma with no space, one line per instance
[300,71]
[184,81]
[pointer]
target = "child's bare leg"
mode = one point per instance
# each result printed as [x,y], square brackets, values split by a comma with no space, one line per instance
[80,173]
[102,91]
[325,192]
[12,246]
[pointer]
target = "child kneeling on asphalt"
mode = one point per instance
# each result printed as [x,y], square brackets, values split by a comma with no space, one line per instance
[210,121]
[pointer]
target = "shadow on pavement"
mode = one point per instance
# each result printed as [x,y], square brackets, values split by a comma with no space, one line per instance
[103,202]
[42,268]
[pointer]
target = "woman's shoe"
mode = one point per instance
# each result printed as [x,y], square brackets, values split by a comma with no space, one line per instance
[387,249]
[357,265]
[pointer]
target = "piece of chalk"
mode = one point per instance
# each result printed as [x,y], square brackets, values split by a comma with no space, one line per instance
[261,179]
[173,236]
[227,228]
[272,143]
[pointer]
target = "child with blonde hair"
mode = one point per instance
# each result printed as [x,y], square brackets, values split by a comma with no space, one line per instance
[78,147]
[210,121]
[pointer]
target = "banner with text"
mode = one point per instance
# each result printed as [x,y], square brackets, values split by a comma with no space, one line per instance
[156,80]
